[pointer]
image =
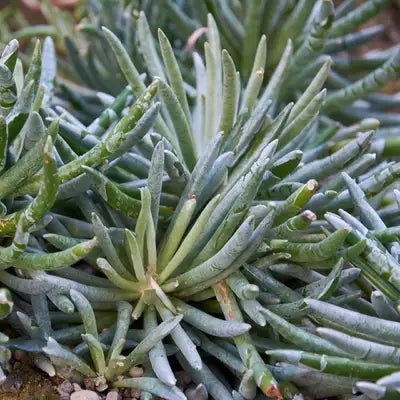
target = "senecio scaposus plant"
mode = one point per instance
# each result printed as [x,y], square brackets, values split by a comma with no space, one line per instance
[316,30]
[263,235]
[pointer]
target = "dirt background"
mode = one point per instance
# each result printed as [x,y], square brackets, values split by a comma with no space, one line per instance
[28,383]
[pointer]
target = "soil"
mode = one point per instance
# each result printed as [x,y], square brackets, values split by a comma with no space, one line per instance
[28,383]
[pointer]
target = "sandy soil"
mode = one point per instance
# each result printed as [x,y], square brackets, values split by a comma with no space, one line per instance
[28,383]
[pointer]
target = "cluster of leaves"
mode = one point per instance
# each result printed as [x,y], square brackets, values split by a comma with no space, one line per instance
[263,233]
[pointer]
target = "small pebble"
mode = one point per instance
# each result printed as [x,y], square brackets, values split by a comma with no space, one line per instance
[12,384]
[89,383]
[19,355]
[135,393]
[84,395]
[198,392]
[183,379]
[112,396]
[17,365]
[102,387]
[66,387]
[135,372]
[77,387]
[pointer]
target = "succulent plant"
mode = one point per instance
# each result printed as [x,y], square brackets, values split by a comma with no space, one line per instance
[316,29]
[199,206]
